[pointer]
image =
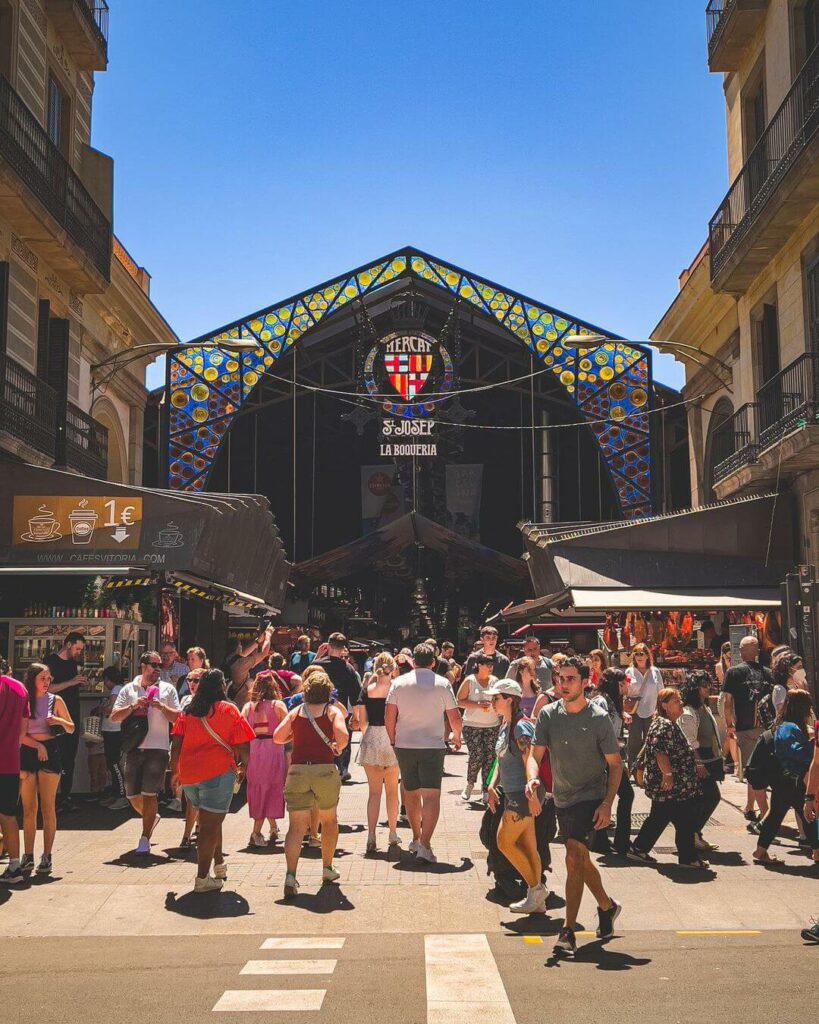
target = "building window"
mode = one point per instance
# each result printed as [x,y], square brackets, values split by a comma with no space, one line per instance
[768,343]
[6,36]
[804,30]
[58,116]
[812,290]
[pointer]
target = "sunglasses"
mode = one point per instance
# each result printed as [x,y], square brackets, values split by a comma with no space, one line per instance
[154,664]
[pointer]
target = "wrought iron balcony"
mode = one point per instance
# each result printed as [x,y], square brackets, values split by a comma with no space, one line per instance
[788,400]
[86,443]
[731,25]
[734,443]
[26,147]
[784,141]
[27,407]
[83,26]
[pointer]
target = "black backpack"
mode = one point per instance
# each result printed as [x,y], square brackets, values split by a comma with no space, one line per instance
[763,768]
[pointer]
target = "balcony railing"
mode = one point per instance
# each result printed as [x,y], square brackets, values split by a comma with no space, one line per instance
[27,406]
[25,145]
[788,399]
[86,443]
[791,129]
[717,14]
[734,443]
[97,13]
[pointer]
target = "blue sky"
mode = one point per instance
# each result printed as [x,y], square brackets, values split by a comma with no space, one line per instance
[573,151]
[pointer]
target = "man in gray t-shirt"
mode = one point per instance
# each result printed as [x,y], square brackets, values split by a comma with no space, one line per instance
[543,669]
[417,706]
[586,771]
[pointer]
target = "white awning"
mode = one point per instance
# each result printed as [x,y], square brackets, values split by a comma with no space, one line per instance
[628,599]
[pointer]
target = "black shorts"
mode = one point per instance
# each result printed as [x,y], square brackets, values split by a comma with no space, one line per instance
[9,794]
[577,821]
[30,762]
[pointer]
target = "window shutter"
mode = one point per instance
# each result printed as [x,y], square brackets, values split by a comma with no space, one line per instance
[4,307]
[58,340]
[43,321]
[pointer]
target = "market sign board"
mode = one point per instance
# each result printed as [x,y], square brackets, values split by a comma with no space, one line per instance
[98,530]
[68,522]
[408,370]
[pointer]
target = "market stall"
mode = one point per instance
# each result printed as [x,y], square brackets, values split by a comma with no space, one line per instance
[180,562]
[658,579]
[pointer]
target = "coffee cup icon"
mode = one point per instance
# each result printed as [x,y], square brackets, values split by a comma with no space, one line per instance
[170,536]
[83,522]
[43,526]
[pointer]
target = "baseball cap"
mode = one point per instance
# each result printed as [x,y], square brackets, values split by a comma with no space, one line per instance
[505,688]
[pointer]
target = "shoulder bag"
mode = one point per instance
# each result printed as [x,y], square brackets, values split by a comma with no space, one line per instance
[630,704]
[237,783]
[133,731]
[319,731]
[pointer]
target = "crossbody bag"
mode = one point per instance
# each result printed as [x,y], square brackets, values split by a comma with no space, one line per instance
[319,731]
[222,743]
[630,704]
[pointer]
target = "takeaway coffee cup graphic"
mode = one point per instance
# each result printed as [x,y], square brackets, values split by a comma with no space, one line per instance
[83,523]
[42,527]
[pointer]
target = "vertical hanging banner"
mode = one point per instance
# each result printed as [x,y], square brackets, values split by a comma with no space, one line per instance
[463,500]
[382,497]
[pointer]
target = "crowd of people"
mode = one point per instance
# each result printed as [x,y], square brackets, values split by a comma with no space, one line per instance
[554,741]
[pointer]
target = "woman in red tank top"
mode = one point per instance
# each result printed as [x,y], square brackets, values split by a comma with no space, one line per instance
[318,733]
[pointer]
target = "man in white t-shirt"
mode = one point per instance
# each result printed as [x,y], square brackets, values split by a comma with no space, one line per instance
[414,716]
[145,765]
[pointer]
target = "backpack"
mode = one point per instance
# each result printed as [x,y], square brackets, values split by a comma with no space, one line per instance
[763,768]
[765,711]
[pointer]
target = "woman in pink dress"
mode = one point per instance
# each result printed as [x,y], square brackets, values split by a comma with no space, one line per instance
[267,766]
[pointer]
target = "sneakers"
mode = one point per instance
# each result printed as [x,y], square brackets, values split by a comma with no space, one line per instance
[257,839]
[606,919]
[395,839]
[44,867]
[329,875]
[12,876]
[175,805]
[413,846]
[533,903]
[467,792]
[566,941]
[291,886]
[143,846]
[811,934]
[27,863]
[220,871]
[424,853]
[371,845]
[702,844]
[119,804]
[315,842]
[207,884]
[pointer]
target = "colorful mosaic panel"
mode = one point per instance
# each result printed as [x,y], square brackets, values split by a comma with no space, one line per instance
[208,383]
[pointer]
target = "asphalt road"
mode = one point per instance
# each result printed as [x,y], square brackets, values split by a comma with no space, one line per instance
[641,976]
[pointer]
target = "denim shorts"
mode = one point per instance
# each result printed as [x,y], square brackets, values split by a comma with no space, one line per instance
[212,795]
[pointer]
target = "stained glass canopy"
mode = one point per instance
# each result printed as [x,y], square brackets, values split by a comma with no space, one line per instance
[610,384]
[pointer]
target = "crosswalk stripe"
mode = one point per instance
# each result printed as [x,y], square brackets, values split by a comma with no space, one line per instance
[726,932]
[303,942]
[463,981]
[270,999]
[289,967]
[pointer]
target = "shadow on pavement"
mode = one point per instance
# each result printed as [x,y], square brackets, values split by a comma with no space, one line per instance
[596,953]
[350,829]
[209,905]
[686,876]
[532,924]
[409,863]
[325,901]
[138,860]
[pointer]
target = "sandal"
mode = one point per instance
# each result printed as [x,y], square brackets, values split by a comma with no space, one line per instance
[700,865]
[766,859]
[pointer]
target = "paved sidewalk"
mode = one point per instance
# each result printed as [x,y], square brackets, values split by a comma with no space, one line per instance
[101,889]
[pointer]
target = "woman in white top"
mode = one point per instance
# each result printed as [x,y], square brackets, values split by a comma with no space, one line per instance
[644,683]
[788,674]
[481,723]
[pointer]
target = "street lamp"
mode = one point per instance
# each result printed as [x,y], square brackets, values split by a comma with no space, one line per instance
[130,355]
[576,342]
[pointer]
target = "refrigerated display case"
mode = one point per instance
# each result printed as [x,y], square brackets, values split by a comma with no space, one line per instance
[116,642]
